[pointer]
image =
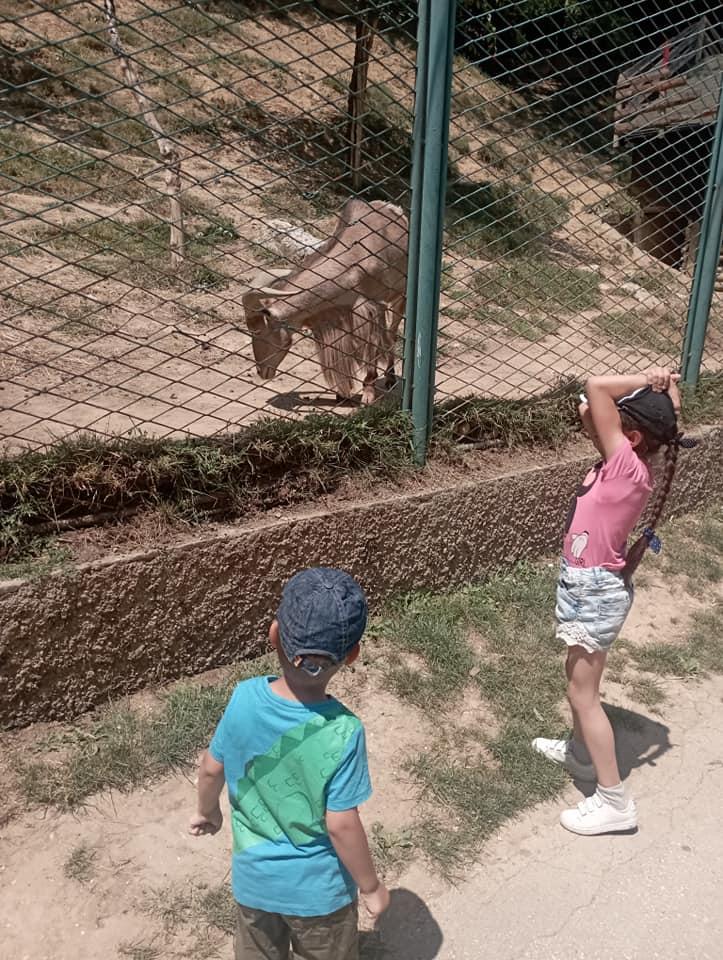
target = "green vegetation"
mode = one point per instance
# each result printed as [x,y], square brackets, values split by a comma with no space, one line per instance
[124,747]
[635,329]
[465,800]
[533,284]
[65,171]
[492,219]
[195,904]
[272,463]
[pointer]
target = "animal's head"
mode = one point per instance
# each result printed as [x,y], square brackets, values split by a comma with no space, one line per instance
[270,336]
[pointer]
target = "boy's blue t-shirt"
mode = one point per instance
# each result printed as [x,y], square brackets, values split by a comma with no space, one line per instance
[286,764]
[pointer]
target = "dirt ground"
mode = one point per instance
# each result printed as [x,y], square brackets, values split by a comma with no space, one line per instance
[96,333]
[535,891]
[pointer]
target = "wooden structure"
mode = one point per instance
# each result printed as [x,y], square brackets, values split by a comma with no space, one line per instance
[666,106]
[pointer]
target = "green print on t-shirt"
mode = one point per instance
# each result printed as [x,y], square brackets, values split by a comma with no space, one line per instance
[283,792]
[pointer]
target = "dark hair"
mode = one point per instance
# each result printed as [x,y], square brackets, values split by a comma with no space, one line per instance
[637,550]
[652,445]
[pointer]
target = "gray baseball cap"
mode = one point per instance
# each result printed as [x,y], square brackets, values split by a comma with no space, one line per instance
[323,611]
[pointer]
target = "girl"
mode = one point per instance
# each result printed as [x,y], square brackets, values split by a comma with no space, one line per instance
[628,418]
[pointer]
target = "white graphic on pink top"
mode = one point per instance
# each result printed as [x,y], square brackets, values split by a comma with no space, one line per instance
[578,543]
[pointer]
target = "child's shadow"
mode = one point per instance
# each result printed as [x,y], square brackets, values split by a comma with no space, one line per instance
[407,931]
[639,741]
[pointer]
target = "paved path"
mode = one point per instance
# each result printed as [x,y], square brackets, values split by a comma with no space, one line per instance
[544,894]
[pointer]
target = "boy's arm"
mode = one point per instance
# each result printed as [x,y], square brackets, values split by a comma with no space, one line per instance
[350,842]
[210,785]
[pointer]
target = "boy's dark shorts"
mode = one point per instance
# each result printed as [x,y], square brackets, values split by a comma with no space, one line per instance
[268,936]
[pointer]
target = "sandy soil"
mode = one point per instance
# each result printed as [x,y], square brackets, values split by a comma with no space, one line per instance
[523,899]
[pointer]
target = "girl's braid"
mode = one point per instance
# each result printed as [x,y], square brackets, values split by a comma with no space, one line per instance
[637,551]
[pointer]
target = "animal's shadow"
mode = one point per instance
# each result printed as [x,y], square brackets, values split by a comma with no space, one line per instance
[407,931]
[639,741]
[325,400]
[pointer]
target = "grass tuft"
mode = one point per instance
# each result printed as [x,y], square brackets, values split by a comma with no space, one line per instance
[467,799]
[80,865]
[194,904]
[138,950]
[125,747]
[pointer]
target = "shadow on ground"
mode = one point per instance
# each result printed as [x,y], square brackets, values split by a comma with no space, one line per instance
[407,931]
[639,741]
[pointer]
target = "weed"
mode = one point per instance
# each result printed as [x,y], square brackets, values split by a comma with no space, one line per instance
[648,691]
[636,330]
[518,325]
[704,402]
[138,950]
[125,747]
[279,461]
[530,283]
[492,219]
[390,849]
[548,419]
[693,548]
[40,558]
[430,627]
[194,904]
[516,677]
[80,865]
[64,171]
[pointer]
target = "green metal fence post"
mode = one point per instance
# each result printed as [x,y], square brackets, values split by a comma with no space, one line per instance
[429,181]
[418,139]
[707,260]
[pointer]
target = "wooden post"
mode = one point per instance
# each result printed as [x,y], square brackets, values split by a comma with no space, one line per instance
[365,30]
[166,148]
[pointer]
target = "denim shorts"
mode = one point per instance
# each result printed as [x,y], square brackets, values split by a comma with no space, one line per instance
[592,604]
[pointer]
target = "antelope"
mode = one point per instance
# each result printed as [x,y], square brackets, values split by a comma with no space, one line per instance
[349,293]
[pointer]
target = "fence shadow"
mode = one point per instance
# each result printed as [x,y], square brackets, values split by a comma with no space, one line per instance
[407,931]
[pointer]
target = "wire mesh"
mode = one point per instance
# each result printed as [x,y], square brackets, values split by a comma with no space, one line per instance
[161,164]
[160,160]
[578,165]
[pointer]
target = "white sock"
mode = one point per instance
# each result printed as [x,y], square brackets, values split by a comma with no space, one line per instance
[615,796]
[580,751]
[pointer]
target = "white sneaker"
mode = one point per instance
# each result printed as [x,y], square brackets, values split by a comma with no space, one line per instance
[560,751]
[594,816]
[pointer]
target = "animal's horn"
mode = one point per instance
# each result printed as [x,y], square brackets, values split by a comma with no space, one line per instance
[274,292]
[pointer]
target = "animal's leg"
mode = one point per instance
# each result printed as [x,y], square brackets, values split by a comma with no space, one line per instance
[368,392]
[395,313]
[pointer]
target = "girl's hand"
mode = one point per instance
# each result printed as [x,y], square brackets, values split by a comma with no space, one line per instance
[660,379]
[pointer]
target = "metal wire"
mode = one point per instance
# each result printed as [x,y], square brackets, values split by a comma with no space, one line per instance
[552,263]
[542,279]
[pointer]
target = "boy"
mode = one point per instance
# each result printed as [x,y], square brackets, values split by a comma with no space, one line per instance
[295,763]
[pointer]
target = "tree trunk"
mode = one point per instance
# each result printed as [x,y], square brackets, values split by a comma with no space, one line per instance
[166,148]
[365,30]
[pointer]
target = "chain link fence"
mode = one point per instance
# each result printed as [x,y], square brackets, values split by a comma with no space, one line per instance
[160,163]
[205,206]
[573,212]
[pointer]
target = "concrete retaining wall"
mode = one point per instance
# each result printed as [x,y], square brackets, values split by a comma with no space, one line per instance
[71,640]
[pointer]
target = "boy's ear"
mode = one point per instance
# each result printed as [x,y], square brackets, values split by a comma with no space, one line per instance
[274,638]
[352,655]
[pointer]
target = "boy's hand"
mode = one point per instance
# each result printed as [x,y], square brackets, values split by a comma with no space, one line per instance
[377,901]
[200,825]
